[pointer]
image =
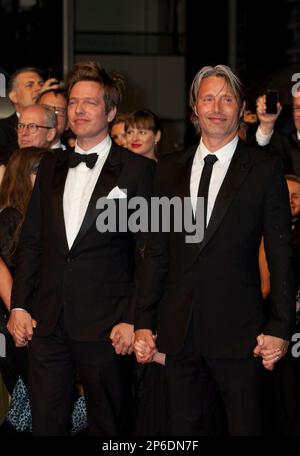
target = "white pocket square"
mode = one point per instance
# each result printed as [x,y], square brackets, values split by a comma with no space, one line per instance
[117,193]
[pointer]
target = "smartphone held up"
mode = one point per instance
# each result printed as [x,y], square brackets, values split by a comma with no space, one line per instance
[271,101]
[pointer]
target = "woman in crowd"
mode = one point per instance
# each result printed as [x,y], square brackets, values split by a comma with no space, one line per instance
[143,131]
[15,194]
[117,129]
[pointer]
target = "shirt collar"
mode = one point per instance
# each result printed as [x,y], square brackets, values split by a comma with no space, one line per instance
[298,135]
[99,148]
[223,154]
[58,145]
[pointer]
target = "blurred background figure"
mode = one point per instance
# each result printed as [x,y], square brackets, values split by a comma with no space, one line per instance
[15,194]
[55,99]
[70,139]
[248,125]
[287,147]
[117,129]
[36,127]
[24,87]
[282,384]
[143,130]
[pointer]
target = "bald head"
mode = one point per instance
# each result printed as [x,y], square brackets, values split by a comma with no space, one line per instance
[37,127]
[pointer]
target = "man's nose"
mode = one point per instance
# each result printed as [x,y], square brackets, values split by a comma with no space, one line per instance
[37,88]
[24,131]
[217,104]
[79,107]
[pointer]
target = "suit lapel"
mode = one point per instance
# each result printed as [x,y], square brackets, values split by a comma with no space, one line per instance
[182,178]
[238,169]
[60,174]
[183,172]
[105,183]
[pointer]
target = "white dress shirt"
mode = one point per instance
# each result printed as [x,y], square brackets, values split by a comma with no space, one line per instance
[79,187]
[263,140]
[59,145]
[219,171]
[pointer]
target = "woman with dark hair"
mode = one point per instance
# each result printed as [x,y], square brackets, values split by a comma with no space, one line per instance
[15,193]
[117,129]
[143,131]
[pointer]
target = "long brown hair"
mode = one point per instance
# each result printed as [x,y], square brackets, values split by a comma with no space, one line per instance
[16,187]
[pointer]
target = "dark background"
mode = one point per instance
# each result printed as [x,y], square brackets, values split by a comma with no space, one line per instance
[267,48]
[264,37]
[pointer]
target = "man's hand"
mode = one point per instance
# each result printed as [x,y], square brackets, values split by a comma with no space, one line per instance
[145,347]
[122,338]
[20,325]
[51,83]
[271,349]
[267,121]
[142,350]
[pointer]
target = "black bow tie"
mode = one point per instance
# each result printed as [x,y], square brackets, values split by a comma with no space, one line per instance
[88,159]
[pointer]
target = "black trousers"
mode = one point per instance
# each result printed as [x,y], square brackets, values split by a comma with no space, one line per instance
[53,362]
[198,386]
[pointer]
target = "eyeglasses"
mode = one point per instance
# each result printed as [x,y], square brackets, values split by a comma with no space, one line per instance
[32,127]
[57,110]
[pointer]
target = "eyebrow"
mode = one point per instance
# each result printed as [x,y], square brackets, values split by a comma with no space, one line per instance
[32,81]
[83,98]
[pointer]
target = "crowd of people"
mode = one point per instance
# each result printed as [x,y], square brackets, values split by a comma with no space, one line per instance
[140,332]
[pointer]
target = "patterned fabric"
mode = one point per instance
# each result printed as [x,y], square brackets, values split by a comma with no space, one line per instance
[79,416]
[19,414]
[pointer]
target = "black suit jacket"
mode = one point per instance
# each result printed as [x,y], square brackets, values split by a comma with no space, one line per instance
[8,137]
[285,147]
[216,283]
[296,249]
[92,283]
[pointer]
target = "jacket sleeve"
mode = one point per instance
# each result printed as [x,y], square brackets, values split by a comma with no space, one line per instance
[29,253]
[153,273]
[144,190]
[277,238]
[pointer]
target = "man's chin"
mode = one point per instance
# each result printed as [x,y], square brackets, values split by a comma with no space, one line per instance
[22,145]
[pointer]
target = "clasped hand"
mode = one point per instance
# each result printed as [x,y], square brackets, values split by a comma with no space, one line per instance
[20,325]
[271,349]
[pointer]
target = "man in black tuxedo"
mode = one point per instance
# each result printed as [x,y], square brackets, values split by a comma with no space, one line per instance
[204,299]
[76,282]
